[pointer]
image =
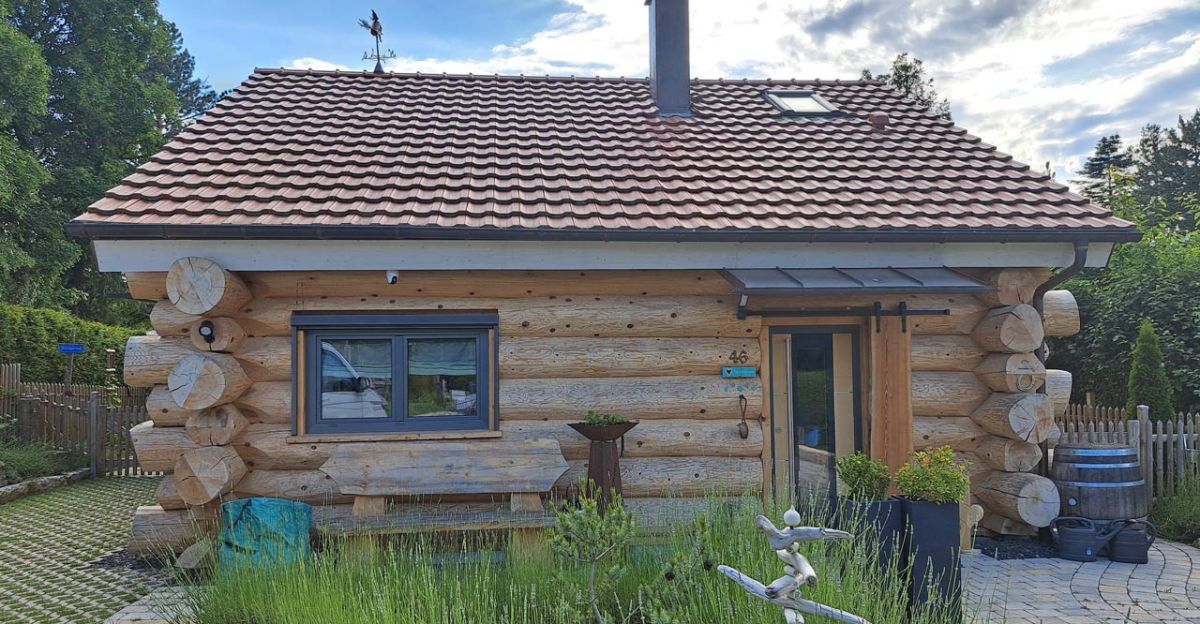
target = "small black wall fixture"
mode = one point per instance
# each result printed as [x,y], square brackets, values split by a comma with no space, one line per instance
[207,331]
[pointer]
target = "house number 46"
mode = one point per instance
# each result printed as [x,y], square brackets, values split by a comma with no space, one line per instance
[741,357]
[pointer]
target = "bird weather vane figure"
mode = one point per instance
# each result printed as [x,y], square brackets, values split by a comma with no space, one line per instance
[375,27]
[797,571]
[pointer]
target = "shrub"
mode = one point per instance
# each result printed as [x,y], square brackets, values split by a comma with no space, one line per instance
[934,476]
[586,537]
[1148,383]
[596,418]
[1178,517]
[26,461]
[30,336]
[866,478]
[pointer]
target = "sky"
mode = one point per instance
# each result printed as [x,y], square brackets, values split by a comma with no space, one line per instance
[1042,80]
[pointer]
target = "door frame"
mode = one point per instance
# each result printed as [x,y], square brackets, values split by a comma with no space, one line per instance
[777,419]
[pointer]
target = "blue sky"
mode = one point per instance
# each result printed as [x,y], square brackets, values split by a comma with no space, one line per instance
[1040,80]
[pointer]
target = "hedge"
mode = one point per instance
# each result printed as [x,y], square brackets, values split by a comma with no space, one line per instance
[30,337]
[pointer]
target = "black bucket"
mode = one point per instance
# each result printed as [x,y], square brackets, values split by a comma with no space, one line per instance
[1132,540]
[1075,537]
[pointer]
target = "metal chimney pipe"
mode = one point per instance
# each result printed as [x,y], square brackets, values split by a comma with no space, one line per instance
[669,63]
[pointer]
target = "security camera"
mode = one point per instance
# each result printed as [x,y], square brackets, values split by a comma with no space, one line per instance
[393,277]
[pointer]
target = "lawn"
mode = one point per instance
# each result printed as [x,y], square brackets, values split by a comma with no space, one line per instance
[56,550]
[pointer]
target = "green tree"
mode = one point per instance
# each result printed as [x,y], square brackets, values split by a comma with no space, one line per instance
[1148,383]
[120,86]
[1100,171]
[1168,173]
[908,77]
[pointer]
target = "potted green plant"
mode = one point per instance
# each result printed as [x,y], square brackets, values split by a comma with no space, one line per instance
[933,485]
[863,501]
[604,468]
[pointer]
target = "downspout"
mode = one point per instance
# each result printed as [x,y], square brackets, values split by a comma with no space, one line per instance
[1039,303]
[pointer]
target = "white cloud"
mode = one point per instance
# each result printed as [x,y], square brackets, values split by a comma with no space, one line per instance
[994,59]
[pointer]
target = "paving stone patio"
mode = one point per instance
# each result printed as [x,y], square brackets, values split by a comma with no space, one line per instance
[56,552]
[1046,591]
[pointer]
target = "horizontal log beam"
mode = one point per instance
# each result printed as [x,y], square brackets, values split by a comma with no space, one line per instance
[946,393]
[1060,313]
[266,447]
[309,486]
[945,352]
[494,284]
[158,448]
[651,438]
[164,411]
[540,357]
[582,316]
[678,476]
[961,434]
[636,398]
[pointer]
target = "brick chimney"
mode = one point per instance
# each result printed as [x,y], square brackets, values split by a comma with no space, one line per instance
[669,68]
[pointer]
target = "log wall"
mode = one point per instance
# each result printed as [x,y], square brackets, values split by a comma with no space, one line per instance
[645,344]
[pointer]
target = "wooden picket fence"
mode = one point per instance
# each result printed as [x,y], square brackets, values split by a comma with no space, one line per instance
[1167,449]
[91,421]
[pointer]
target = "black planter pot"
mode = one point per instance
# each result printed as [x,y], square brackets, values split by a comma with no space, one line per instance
[885,518]
[933,547]
[604,460]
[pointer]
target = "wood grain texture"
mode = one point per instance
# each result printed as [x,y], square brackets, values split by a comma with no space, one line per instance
[217,426]
[423,468]
[203,474]
[570,316]
[200,381]
[636,398]
[167,495]
[891,393]
[1010,329]
[540,357]
[158,448]
[226,333]
[167,320]
[1013,416]
[164,411]
[1008,455]
[961,434]
[1060,313]
[944,352]
[157,531]
[1013,286]
[147,286]
[149,359]
[309,486]
[268,402]
[674,437]
[1058,390]
[1020,496]
[678,476]
[1012,372]
[946,393]
[201,286]
[491,284]
[266,447]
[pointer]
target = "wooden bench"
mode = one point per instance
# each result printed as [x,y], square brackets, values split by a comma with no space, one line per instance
[374,472]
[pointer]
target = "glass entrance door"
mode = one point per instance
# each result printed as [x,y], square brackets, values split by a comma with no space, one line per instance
[822,403]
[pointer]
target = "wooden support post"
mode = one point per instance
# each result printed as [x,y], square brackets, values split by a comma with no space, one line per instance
[94,434]
[359,545]
[891,392]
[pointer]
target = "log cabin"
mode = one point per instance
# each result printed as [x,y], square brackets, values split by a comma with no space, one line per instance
[380,291]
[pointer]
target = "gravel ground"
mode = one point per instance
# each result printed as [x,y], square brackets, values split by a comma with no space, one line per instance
[1014,547]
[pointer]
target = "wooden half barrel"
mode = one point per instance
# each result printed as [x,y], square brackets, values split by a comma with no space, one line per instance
[1099,481]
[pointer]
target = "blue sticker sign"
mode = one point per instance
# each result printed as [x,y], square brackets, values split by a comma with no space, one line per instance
[72,348]
[736,372]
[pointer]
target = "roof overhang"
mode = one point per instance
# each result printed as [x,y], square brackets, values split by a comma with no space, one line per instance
[99,230]
[853,281]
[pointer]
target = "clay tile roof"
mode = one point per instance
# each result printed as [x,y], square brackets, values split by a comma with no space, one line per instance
[297,154]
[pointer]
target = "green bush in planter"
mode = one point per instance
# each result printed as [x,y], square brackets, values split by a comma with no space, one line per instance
[598,419]
[933,476]
[865,478]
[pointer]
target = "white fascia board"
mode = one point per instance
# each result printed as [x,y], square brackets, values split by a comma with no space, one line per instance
[129,256]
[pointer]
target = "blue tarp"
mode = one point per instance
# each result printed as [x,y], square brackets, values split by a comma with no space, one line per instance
[264,531]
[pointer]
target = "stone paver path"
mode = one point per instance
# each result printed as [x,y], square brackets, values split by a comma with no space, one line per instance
[1056,591]
[52,546]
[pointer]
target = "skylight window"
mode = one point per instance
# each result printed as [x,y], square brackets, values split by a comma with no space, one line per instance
[800,103]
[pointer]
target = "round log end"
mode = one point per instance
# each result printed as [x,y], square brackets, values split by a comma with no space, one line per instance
[202,475]
[200,381]
[200,286]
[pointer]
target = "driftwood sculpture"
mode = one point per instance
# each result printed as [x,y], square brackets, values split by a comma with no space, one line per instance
[798,572]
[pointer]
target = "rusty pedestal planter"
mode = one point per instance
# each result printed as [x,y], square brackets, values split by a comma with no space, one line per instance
[604,467]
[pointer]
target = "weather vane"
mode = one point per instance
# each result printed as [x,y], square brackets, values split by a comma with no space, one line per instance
[376,29]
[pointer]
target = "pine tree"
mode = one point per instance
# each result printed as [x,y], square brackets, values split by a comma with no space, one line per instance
[1148,383]
[1102,169]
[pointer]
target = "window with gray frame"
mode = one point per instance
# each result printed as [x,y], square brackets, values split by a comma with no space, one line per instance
[384,373]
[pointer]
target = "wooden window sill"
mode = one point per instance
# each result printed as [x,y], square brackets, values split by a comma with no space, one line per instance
[391,437]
